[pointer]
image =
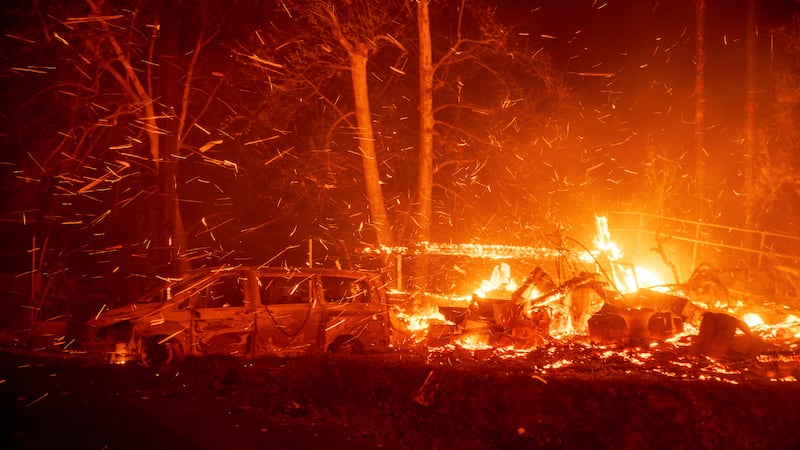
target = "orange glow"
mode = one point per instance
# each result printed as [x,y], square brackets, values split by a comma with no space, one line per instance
[566,332]
[602,240]
[473,341]
[752,319]
[628,278]
[482,251]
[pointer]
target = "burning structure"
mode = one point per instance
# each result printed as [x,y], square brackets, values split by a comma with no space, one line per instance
[597,302]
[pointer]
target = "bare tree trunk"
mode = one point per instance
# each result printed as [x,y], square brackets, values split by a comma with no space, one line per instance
[750,115]
[366,144]
[426,123]
[140,90]
[699,151]
[172,235]
[132,85]
[425,182]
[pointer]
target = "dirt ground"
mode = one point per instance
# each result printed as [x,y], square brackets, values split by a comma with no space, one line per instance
[390,401]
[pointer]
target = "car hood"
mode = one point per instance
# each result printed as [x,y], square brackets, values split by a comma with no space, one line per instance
[125,313]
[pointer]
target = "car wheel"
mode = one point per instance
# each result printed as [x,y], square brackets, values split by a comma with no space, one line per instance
[346,344]
[156,353]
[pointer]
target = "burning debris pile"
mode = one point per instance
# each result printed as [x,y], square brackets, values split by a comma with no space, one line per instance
[613,314]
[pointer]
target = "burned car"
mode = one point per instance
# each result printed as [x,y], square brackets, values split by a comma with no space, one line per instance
[247,312]
[525,317]
[642,316]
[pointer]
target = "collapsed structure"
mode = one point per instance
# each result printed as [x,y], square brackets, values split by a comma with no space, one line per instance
[610,303]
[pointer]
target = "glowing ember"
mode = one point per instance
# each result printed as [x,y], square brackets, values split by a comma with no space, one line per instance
[479,251]
[473,342]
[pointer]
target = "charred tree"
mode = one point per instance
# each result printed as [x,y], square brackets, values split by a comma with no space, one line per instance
[359,39]
[426,130]
[359,56]
[699,150]
[479,100]
[170,232]
[750,110]
[304,57]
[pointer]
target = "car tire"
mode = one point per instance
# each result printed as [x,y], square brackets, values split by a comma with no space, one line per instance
[158,354]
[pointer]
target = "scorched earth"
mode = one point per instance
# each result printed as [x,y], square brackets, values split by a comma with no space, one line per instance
[572,395]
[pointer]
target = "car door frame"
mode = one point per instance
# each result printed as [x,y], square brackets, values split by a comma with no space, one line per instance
[211,326]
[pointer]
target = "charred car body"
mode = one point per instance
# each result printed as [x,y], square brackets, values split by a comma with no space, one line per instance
[248,312]
[535,310]
[584,305]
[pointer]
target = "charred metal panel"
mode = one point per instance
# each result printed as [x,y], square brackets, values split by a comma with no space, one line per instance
[724,336]
[287,328]
[607,327]
[222,331]
[366,322]
[633,325]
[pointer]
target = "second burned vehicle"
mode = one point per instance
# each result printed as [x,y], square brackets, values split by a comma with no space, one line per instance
[248,312]
[540,310]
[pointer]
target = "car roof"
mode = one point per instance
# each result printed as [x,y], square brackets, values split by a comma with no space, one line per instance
[194,278]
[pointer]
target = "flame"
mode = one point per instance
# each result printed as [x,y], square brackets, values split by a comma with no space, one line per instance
[752,320]
[602,240]
[421,320]
[786,330]
[631,279]
[628,278]
[647,278]
[500,280]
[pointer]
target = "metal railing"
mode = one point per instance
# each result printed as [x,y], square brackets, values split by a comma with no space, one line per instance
[725,245]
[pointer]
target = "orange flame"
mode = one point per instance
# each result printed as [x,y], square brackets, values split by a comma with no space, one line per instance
[420,321]
[500,280]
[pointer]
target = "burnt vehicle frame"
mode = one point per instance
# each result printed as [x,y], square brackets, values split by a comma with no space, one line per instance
[585,304]
[247,312]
